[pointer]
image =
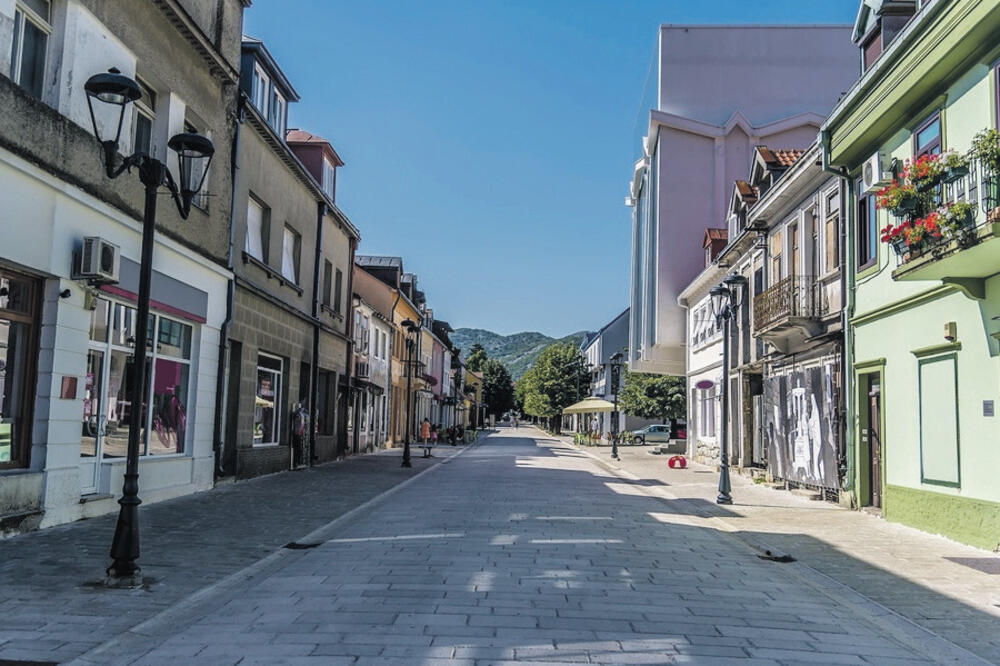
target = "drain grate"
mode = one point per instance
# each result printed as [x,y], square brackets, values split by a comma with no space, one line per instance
[771,557]
[295,545]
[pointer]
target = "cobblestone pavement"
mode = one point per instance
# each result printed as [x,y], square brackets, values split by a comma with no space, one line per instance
[53,607]
[526,550]
[947,587]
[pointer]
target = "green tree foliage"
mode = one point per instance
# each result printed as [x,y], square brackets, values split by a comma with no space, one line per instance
[477,358]
[498,392]
[653,396]
[556,380]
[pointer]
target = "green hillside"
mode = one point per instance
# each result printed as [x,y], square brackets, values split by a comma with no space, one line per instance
[517,351]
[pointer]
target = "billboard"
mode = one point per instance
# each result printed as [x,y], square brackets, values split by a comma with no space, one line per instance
[800,425]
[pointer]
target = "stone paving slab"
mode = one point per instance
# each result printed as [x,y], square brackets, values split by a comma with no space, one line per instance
[54,607]
[946,587]
[538,528]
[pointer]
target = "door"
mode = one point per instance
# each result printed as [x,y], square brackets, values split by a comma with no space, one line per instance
[874,441]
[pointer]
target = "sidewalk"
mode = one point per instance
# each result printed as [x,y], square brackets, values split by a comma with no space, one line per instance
[945,587]
[54,606]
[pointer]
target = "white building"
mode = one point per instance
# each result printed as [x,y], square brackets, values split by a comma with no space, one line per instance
[67,342]
[372,348]
[721,90]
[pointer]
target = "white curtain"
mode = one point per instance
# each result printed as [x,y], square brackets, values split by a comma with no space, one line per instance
[288,255]
[255,230]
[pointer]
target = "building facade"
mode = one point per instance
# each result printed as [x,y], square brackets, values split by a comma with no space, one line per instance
[66,342]
[289,339]
[716,100]
[923,337]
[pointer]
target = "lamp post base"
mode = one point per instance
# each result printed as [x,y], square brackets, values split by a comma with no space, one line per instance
[723,499]
[130,581]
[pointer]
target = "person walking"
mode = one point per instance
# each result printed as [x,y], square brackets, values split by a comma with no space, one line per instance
[425,431]
[434,434]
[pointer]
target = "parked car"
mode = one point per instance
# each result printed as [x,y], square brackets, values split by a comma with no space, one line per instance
[675,432]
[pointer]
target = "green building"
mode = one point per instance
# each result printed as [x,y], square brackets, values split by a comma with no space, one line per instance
[923,313]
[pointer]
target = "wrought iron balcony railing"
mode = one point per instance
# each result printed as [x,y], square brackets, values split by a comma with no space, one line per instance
[794,297]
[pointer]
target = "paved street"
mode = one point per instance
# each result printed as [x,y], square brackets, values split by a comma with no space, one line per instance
[524,549]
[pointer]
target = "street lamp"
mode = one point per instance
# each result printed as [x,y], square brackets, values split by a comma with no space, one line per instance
[194,153]
[727,298]
[410,327]
[616,370]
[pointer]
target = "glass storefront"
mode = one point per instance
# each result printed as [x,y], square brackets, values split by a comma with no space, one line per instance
[107,406]
[266,414]
[18,351]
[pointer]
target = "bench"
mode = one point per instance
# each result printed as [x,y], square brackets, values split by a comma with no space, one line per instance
[427,449]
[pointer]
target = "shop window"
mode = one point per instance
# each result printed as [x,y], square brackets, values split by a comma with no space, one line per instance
[18,351]
[267,401]
[107,397]
[28,48]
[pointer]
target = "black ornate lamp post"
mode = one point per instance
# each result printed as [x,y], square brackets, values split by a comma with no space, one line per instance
[410,327]
[616,369]
[194,153]
[726,300]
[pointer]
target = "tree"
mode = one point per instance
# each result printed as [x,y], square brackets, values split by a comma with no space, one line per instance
[554,382]
[653,396]
[476,359]
[498,391]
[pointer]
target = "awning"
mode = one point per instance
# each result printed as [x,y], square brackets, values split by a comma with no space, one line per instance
[588,405]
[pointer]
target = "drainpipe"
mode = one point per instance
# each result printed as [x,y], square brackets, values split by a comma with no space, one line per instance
[222,371]
[847,285]
[314,369]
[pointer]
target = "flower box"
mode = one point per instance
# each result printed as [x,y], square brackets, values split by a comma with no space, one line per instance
[951,174]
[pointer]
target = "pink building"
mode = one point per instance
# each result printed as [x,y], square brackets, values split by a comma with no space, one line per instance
[721,90]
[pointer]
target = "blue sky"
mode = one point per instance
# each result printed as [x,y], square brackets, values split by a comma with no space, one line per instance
[489,142]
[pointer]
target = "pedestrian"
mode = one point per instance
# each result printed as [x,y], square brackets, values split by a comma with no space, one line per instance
[425,431]
[434,434]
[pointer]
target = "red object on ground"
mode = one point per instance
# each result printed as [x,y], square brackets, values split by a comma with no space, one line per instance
[677,461]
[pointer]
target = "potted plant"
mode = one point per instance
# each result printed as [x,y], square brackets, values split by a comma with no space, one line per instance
[892,234]
[956,165]
[958,222]
[921,233]
[900,198]
[986,149]
[924,173]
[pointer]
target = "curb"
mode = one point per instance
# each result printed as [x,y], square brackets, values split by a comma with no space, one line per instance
[902,629]
[180,615]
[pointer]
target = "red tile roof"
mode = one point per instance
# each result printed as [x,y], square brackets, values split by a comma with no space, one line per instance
[745,190]
[782,158]
[717,234]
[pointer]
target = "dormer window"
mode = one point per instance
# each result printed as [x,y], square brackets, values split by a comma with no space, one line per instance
[261,96]
[872,48]
[328,178]
[278,108]
[876,28]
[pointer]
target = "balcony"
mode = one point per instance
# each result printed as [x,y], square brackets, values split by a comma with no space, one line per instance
[791,307]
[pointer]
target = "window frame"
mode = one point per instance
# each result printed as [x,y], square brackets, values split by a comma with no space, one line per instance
[327,288]
[200,199]
[338,287]
[937,142]
[296,253]
[328,183]
[279,105]
[865,210]
[23,13]
[144,110]
[260,93]
[264,232]
[280,372]
[832,216]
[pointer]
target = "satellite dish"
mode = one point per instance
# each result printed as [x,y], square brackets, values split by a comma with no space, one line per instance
[704,384]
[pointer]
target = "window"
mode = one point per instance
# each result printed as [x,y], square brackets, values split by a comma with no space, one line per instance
[708,256]
[707,413]
[866,227]
[872,49]
[291,249]
[832,233]
[927,137]
[815,258]
[793,241]
[776,257]
[258,229]
[267,401]
[107,406]
[18,349]
[328,178]
[326,407]
[277,119]
[261,93]
[142,125]
[31,36]
[337,288]
[327,282]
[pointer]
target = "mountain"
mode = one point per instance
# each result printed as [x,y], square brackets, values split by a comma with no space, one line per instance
[517,351]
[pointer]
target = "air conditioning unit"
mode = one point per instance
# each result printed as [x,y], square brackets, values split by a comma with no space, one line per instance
[98,261]
[875,173]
